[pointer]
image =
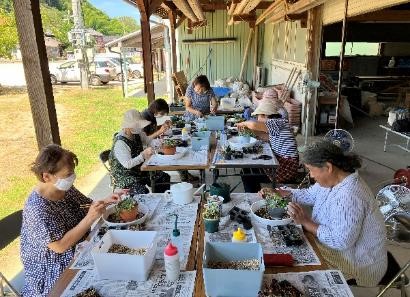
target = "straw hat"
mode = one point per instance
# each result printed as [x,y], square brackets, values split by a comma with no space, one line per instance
[266,107]
[133,119]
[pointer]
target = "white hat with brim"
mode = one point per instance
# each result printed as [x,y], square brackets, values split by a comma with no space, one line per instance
[266,107]
[133,119]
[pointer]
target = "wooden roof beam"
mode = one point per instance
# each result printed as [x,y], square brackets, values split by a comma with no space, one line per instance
[274,6]
[244,18]
[303,5]
[186,9]
[197,9]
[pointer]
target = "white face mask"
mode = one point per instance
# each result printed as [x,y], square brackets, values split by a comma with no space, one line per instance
[64,184]
[158,116]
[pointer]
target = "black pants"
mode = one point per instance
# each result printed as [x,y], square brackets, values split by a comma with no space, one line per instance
[252,182]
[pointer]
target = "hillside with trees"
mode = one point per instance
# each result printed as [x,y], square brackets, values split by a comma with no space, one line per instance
[56,19]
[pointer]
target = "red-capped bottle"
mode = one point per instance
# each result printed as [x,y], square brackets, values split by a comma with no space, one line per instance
[171,259]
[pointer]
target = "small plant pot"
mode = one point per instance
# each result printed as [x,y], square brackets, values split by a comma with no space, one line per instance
[129,215]
[169,150]
[277,212]
[244,139]
[211,225]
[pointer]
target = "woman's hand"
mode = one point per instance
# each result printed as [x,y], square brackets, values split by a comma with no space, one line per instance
[281,192]
[147,153]
[163,129]
[96,209]
[296,212]
[241,125]
[199,114]
[214,108]
[115,197]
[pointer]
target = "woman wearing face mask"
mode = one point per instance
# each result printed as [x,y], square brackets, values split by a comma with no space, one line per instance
[200,99]
[282,141]
[157,109]
[346,219]
[53,222]
[128,154]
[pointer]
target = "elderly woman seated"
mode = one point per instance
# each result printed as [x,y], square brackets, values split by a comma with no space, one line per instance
[53,221]
[128,154]
[346,220]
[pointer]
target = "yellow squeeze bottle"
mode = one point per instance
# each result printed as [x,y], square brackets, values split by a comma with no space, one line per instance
[239,236]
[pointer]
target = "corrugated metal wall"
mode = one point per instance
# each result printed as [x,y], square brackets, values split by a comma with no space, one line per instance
[225,59]
[273,47]
[333,10]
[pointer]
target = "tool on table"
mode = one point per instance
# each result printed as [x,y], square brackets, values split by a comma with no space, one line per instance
[263,157]
[241,216]
[278,260]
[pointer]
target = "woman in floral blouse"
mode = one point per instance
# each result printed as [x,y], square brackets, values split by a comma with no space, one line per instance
[53,222]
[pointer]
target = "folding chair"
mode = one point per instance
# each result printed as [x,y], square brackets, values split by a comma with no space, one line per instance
[104,158]
[8,288]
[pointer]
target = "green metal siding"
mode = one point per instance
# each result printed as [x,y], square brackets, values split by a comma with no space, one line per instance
[225,59]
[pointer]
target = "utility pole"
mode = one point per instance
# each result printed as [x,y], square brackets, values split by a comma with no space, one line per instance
[79,41]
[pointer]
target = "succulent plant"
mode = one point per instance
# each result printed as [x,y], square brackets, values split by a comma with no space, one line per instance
[211,211]
[126,204]
[169,142]
[274,200]
[246,132]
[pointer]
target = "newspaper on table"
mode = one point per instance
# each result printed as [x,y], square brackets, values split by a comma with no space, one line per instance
[303,254]
[160,220]
[156,285]
[189,158]
[228,226]
[248,159]
[321,283]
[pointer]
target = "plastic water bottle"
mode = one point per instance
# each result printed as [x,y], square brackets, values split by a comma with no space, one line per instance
[171,259]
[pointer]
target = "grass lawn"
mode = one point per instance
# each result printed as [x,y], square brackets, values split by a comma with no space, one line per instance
[87,121]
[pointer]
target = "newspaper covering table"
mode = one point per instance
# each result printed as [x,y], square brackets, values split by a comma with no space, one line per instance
[303,254]
[248,160]
[190,158]
[323,283]
[156,285]
[159,220]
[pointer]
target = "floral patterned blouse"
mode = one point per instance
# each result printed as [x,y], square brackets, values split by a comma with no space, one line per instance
[45,221]
[201,102]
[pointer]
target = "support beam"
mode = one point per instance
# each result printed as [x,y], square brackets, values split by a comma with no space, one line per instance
[245,55]
[244,18]
[180,21]
[172,21]
[34,55]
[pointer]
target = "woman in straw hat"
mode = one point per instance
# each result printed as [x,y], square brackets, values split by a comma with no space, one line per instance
[128,154]
[282,141]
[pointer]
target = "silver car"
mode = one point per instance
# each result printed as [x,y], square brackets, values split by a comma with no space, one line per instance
[102,73]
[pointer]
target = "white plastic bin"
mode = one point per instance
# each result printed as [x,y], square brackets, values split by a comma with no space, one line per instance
[123,266]
[230,282]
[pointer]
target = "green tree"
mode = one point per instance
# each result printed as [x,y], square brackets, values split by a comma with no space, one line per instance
[8,33]
[129,24]
[56,22]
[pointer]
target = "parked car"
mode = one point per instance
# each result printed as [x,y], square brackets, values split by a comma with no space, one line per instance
[70,72]
[111,61]
[134,70]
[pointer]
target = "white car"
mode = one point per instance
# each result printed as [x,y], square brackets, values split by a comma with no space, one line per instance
[70,72]
[134,70]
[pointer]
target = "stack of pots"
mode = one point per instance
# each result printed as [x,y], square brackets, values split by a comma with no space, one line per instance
[294,109]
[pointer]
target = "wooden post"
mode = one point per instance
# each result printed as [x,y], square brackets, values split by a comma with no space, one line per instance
[255,55]
[313,49]
[172,21]
[245,54]
[34,55]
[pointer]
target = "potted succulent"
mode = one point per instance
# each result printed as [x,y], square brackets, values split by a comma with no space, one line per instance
[245,135]
[127,209]
[226,152]
[169,146]
[275,205]
[211,216]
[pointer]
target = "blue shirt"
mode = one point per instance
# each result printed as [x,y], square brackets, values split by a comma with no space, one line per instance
[46,221]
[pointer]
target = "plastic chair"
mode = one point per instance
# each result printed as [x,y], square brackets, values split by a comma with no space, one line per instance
[104,158]
[8,286]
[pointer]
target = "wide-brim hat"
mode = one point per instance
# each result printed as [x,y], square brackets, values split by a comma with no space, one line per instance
[133,119]
[266,107]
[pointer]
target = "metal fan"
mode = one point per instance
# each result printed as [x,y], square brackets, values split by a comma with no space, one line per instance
[394,204]
[341,138]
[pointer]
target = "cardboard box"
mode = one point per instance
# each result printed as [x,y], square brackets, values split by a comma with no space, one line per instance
[229,282]
[123,266]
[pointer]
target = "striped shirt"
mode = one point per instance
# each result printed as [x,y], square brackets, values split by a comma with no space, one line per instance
[282,141]
[351,234]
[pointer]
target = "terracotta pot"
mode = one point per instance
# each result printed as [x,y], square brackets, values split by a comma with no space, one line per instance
[129,215]
[169,150]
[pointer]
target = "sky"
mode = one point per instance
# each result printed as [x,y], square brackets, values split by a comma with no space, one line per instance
[116,8]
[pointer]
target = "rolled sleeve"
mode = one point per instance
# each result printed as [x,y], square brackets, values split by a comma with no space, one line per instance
[123,154]
[343,227]
[305,196]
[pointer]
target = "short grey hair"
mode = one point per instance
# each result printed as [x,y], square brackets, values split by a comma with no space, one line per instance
[317,154]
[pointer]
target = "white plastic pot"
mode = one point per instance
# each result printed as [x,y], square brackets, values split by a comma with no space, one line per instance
[181,193]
